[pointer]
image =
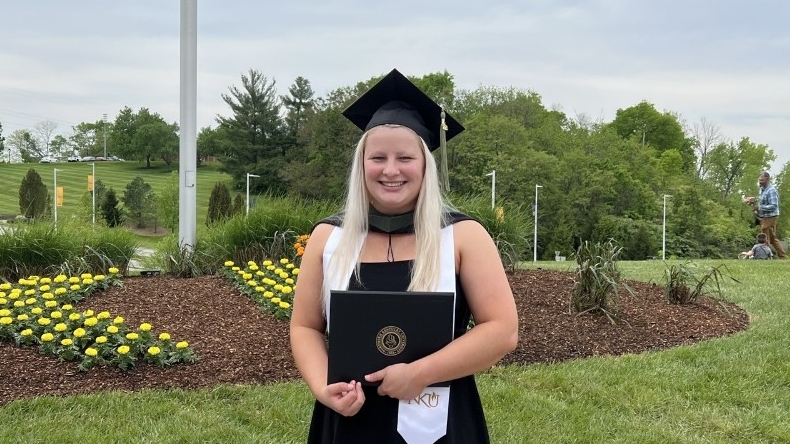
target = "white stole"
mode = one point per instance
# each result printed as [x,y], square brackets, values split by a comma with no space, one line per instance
[422,420]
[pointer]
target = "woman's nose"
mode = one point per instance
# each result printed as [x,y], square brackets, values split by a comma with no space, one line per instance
[391,168]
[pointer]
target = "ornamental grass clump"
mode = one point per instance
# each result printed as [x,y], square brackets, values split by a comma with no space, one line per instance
[598,280]
[686,282]
[39,312]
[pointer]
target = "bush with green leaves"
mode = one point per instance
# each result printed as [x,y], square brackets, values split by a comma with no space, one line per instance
[686,282]
[598,279]
[32,195]
[220,206]
[139,200]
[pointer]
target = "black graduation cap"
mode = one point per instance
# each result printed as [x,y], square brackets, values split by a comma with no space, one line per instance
[395,99]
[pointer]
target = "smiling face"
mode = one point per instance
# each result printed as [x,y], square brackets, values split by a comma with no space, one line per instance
[394,168]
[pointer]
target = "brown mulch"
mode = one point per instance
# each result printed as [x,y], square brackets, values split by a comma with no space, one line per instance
[239,344]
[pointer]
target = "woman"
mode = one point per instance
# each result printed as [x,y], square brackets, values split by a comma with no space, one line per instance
[390,237]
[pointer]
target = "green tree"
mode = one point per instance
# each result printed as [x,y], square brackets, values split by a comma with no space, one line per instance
[138,199]
[255,132]
[143,136]
[733,169]
[299,106]
[220,206]
[86,209]
[32,195]
[110,211]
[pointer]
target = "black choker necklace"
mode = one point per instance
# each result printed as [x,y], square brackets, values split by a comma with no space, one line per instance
[397,224]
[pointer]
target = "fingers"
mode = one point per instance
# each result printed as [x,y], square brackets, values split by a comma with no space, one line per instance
[345,398]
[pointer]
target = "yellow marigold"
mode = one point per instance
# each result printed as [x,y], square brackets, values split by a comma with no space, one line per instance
[88,313]
[182,345]
[286,290]
[74,317]
[260,289]
[78,333]
[26,332]
[74,280]
[30,292]
[19,304]
[60,291]
[266,263]
[285,305]
[50,304]
[45,280]
[295,271]
[118,320]
[276,300]
[47,337]
[252,283]
[145,326]
[284,261]
[5,286]
[253,267]
[289,266]
[246,276]
[113,270]
[122,350]
[91,322]
[278,271]
[153,350]
[99,277]
[66,307]
[87,281]
[36,310]
[74,287]
[229,263]
[164,336]
[112,329]
[289,281]
[60,278]
[3,301]
[5,320]
[278,287]
[103,315]
[132,336]
[92,352]
[236,269]
[259,273]
[59,327]
[66,342]
[30,301]
[43,321]
[44,288]
[5,312]
[22,317]
[48,296]
[101,339]
[56,315]
[86,276]
[268,295]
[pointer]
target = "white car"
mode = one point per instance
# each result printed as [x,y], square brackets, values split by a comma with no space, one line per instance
[88,159]
[73,159]
[47,159]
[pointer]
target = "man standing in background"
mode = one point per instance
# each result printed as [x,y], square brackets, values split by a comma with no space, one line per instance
[767,210]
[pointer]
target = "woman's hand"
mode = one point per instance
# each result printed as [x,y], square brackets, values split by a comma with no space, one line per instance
[397,381]
[346,398]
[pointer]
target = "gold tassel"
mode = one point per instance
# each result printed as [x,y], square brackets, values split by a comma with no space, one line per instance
[444,174]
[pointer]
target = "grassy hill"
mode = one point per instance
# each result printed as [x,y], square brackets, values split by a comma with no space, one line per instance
[73,177]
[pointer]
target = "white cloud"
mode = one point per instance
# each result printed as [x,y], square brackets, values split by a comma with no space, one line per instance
[723,60]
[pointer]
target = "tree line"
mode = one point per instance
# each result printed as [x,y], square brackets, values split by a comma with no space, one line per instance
[599,180]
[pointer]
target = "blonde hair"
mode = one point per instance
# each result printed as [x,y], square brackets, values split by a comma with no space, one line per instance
[430,215]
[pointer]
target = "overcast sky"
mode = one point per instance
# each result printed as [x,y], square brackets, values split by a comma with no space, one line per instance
[726,61]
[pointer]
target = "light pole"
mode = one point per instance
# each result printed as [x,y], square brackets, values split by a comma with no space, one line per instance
[664,231]
[93,192]
[248,190]
[535,226]
[104,133]
[55,209]
[493,187]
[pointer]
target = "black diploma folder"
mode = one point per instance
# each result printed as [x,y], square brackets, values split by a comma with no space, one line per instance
[369,330]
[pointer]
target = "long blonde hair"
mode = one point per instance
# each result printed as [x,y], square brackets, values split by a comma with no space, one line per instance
[430,215]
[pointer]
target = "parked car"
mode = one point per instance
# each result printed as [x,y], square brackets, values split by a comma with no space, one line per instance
[73,159]
[88,159]
[115,159]
[47,159]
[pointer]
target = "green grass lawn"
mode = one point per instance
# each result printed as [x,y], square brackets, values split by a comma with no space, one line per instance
[73,177]
[728,390]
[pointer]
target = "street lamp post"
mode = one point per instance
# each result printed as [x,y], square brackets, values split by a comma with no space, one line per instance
[493,187]
[55,207]
[93,192]
[535,226]
[248,190]
[664,231]
[104,133]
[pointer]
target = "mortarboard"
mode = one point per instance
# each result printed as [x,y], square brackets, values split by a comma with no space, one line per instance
[396,100]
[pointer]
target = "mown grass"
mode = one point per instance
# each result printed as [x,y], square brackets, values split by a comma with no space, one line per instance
[73,177]
[727,390]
